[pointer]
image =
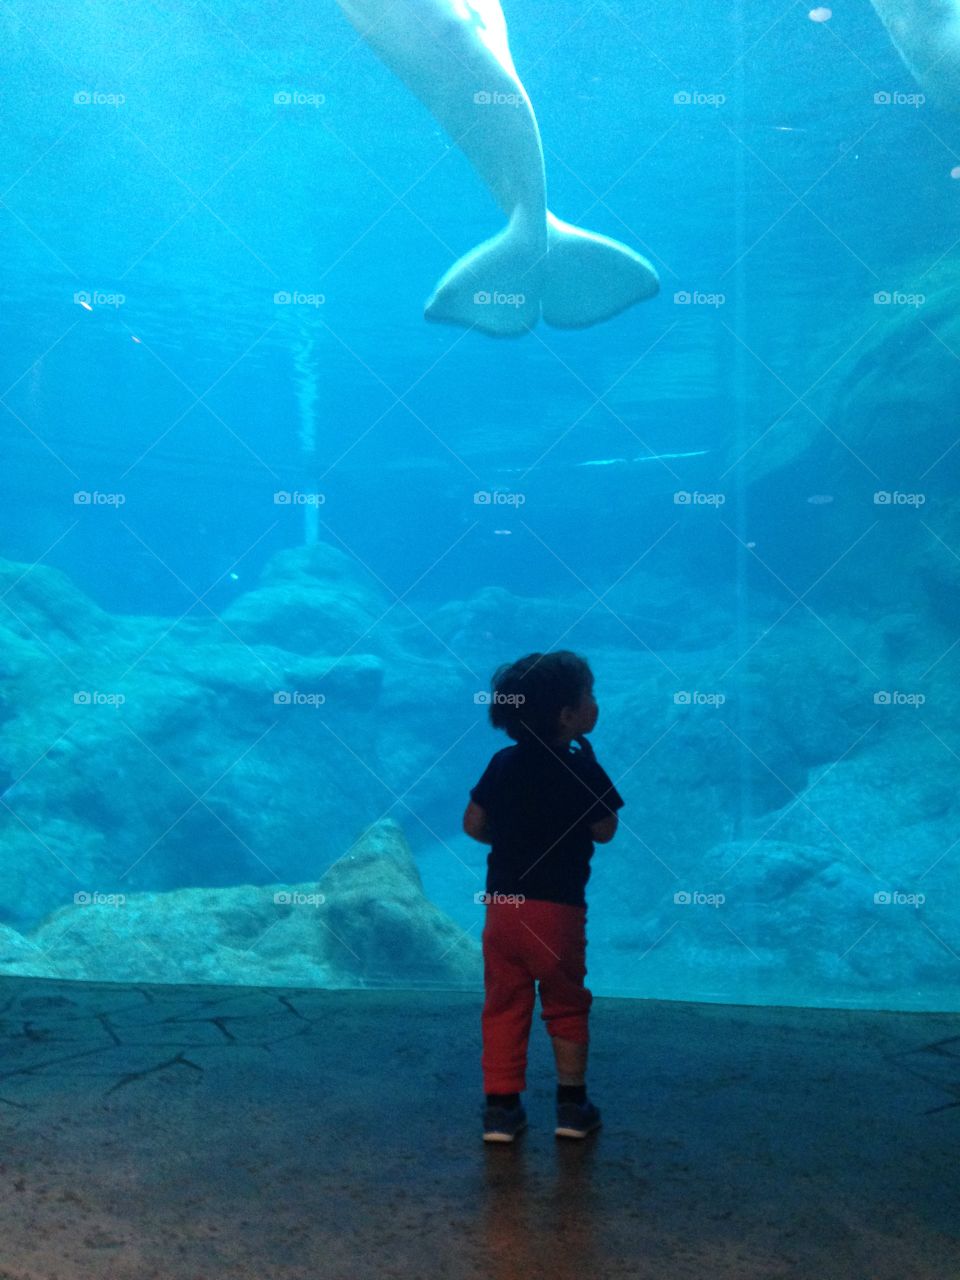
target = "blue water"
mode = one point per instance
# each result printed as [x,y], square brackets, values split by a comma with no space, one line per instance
[197,199]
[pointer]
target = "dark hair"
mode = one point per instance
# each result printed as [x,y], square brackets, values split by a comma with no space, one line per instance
[529,694]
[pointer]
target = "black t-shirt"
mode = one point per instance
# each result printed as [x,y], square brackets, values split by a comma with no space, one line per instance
[540,804]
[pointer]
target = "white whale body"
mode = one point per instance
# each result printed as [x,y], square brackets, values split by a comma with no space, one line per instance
[454,55]
[927,37]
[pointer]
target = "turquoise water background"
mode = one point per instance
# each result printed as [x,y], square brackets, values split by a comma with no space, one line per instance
[774,663]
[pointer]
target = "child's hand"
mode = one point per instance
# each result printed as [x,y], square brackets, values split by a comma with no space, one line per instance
[584,745]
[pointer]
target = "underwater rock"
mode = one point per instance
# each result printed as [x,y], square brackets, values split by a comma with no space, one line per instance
[40,601]
[893,386]
[307,620]
[776,922]
[200,786]
[877,432]
[323,563]
[45,857]
[364,922]
[377,911]
[142,753]
[935,563]
[18,955]
[701,736]
[312,600]
[274,677]
[20,660]
[893,805]
[471,627]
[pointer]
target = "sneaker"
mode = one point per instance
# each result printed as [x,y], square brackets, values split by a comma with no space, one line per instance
[576,1121]
[502,1124]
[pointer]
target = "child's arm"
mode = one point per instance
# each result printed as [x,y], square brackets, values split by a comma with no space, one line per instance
[604,830]
[475,823]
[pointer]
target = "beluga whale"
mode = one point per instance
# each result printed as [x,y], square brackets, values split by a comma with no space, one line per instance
[927,37]
[455,57]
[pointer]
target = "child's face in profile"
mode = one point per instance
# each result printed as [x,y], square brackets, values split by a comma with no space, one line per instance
[580,719]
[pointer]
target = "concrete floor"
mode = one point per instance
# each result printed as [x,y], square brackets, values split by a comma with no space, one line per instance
[223,1132]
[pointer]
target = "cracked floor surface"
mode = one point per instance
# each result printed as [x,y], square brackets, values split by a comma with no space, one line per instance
[214,1133]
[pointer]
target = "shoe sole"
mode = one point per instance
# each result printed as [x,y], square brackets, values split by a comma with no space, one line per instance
[496,1136]
[562,1131]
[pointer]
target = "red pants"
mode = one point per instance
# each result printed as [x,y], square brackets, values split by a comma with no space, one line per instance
[524,943]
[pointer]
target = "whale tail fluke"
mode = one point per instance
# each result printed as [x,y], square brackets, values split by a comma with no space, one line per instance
[590,278]
[495,287]
[578,279]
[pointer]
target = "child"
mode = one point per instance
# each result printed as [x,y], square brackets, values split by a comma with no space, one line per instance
[541,806]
